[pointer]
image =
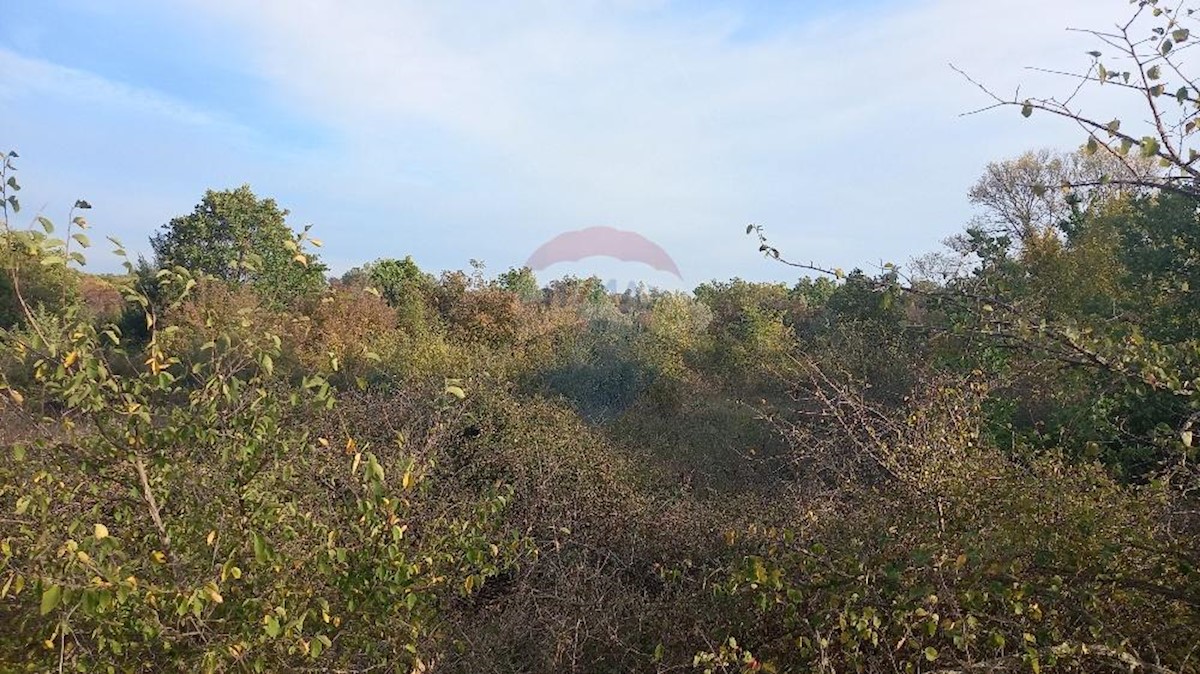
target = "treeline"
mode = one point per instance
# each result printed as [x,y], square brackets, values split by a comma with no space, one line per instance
[250,467]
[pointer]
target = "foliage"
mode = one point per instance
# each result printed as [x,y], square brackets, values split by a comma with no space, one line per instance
[173,515]
[237,237]
[989,466]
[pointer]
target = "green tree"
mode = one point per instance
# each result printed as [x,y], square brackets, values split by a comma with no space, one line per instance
[521,282]
[399,281]
[237,237]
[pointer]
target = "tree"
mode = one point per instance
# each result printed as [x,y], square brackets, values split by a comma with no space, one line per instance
[1021,196]
[1027,196]
[522,283]
[237,237]
[399,281]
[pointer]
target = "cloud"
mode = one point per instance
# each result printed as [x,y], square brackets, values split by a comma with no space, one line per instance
[464,129]
[643,115]
[35,77]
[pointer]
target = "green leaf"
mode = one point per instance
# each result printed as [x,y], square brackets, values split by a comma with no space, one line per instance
[46,224]
[1167,46]
[1154,72]
[1181,35]
[931,653]
[1027,109]
[456,391]
[1150,146]
[260,547]
[271,625]
[81,239]
[50,598]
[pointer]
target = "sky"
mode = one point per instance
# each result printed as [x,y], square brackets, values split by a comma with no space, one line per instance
[459,130]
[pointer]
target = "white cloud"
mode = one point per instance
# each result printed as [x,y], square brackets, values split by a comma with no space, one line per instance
[469,129]
[35,77]
[621,114]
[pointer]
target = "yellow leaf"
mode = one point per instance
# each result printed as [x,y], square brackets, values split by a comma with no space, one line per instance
[101,531]
[299,257]
[16,396]
[407,480]
[158,557]
[212,536]
[70,359]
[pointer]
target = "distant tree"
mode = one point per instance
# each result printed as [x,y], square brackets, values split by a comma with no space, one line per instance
[1024,197]
[521,282]
[397,280]
[237,237]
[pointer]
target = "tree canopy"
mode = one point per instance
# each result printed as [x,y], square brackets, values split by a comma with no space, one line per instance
[237,237]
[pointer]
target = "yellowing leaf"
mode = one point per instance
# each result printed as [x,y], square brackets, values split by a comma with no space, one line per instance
[101,531]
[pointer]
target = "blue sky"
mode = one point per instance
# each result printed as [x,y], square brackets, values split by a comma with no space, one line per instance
[458,130]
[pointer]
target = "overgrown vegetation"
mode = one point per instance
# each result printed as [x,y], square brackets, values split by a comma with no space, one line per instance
[222,461]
